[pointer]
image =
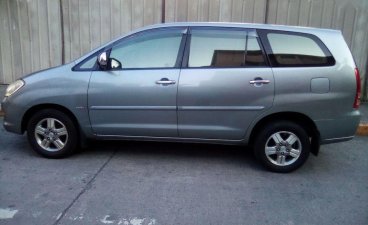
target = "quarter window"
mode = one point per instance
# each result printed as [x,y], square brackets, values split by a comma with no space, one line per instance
[89,64]
[157,49]
[298,50]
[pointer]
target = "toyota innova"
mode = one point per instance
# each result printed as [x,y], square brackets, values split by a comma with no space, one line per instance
[282,90]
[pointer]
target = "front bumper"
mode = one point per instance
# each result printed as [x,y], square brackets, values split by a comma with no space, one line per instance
[12,116]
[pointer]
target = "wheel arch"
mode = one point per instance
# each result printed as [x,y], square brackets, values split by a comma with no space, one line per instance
[299,118]
[31,111]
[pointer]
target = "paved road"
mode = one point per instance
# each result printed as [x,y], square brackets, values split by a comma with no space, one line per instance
[160,183]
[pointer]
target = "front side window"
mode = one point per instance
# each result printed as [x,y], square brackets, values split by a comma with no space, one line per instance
[298,50]
[157,49]
[223,48]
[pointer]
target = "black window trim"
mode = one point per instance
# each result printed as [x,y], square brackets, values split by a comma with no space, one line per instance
[269,53]
[185,61]
[108,48]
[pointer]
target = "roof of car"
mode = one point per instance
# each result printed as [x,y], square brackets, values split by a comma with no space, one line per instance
[240,25]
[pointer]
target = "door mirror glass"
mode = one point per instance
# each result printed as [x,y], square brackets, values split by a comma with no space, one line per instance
[102,60]
[114,64]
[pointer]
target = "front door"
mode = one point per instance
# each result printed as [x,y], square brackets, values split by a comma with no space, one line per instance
[140,98]
[224,85]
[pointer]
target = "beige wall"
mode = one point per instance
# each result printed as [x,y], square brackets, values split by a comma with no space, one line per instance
[89,23]
[37,34]
[29,37]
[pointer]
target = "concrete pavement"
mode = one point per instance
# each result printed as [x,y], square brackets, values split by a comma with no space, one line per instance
[164,183]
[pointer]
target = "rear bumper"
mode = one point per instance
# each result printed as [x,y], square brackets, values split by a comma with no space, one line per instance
[338,129]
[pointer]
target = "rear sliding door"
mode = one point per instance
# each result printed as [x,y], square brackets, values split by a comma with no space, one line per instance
[224,84]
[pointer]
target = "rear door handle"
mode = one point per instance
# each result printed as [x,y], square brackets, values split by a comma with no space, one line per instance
[259,81]
[165,81]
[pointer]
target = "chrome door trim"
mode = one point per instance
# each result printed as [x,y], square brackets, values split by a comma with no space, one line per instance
[220,108]
[133,108]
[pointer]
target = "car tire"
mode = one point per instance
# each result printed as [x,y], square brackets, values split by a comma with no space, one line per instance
[282,146]
[52,134]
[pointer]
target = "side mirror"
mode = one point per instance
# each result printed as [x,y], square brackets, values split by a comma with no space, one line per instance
[102,60]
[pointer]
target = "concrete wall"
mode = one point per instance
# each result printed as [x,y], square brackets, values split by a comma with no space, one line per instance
[37,34]
[89,23]
[30,37]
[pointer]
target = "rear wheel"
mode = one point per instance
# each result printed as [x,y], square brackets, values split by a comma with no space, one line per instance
[282,146]
[52,133]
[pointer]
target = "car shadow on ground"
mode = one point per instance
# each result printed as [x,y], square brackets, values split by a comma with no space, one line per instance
[236,155]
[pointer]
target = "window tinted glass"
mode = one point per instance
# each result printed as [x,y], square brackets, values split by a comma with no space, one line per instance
[217,48]
[158,49]
[254,55]
[224,48]
[296,50]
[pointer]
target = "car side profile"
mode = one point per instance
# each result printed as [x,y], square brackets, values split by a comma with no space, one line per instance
[282,90]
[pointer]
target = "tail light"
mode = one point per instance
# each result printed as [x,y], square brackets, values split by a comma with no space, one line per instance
[358,90]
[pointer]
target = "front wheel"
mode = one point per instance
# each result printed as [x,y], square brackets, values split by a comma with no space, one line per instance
[282,146]
[52,133]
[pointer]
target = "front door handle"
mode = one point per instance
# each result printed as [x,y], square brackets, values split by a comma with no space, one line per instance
[165,81]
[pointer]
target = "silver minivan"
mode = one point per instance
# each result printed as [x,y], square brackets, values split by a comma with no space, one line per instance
[282,90]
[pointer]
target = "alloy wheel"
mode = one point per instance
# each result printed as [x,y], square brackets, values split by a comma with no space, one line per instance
[283,148]
[51,134]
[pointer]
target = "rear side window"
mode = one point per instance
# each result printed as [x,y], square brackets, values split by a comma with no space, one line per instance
[297,50]
[224,49]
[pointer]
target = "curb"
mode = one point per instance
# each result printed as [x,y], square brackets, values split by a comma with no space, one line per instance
[361,131]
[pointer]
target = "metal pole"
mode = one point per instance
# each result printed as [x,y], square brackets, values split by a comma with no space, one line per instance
[266,11]
[365,82]
[163,12]
[62,32]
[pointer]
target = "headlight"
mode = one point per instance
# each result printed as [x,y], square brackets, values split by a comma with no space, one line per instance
[13,87]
